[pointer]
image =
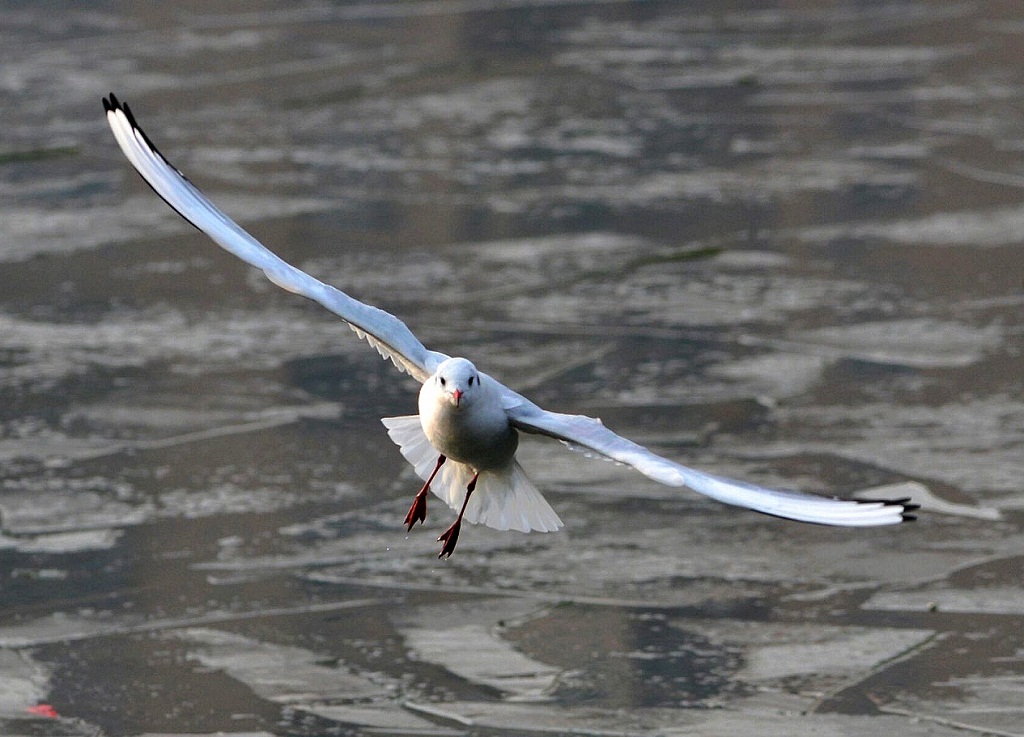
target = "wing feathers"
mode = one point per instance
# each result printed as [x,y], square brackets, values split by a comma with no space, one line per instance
[385,332]
[591,436]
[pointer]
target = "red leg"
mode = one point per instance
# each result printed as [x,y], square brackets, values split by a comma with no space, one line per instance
[451,536]
[418,510]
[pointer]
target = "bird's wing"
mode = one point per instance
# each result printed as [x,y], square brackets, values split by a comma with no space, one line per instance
[385,332]
[591,436]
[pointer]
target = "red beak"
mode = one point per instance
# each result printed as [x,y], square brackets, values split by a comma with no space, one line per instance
[458,395]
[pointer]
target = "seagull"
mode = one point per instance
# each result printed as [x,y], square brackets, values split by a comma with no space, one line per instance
[463,442]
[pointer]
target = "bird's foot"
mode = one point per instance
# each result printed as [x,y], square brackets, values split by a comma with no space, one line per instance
[449,537]
[418,510]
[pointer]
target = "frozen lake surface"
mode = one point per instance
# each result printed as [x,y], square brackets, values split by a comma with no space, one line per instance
[782,245]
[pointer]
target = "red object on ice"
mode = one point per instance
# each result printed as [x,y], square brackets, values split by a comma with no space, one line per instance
[43,710]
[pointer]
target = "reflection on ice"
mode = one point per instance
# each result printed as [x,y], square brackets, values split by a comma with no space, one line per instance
[467,642]
[916,343]
[922,496]
[23,683]
[276,672]
[990,228]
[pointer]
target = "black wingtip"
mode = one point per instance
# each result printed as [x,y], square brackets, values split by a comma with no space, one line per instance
[908,511]
[111,103]
[908,506]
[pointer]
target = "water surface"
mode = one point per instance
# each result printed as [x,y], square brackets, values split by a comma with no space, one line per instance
[780,244]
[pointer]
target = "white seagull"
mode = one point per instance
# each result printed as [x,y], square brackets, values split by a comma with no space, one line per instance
[463,442]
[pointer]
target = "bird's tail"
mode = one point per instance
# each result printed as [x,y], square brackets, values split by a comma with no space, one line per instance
[504,499]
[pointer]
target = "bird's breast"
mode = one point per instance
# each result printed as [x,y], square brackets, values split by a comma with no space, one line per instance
[481,439]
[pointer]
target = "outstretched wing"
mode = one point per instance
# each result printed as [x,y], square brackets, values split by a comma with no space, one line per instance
[589,435]
[382,330]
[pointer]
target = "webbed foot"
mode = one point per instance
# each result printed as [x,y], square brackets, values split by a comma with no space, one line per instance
[418,510]
[450,537]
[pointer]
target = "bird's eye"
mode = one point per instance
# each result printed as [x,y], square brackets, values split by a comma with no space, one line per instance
[442,381]
[471,381]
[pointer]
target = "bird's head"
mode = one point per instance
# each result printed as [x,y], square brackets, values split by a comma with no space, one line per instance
[458,381]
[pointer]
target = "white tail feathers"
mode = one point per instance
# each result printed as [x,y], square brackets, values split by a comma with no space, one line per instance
[505,499]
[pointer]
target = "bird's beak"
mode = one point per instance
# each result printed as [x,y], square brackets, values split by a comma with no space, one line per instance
[458,395]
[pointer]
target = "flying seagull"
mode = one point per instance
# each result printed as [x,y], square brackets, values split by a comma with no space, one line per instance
[463,441]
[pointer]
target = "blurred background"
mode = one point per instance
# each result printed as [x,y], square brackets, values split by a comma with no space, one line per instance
[775,241]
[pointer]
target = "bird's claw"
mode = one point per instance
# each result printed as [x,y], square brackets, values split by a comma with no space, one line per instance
[449,537]
[418,510]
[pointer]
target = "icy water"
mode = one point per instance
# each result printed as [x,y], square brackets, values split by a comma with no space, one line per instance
[782,244]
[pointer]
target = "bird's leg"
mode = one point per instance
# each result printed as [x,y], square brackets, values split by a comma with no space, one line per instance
[451,536]
[418,510]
